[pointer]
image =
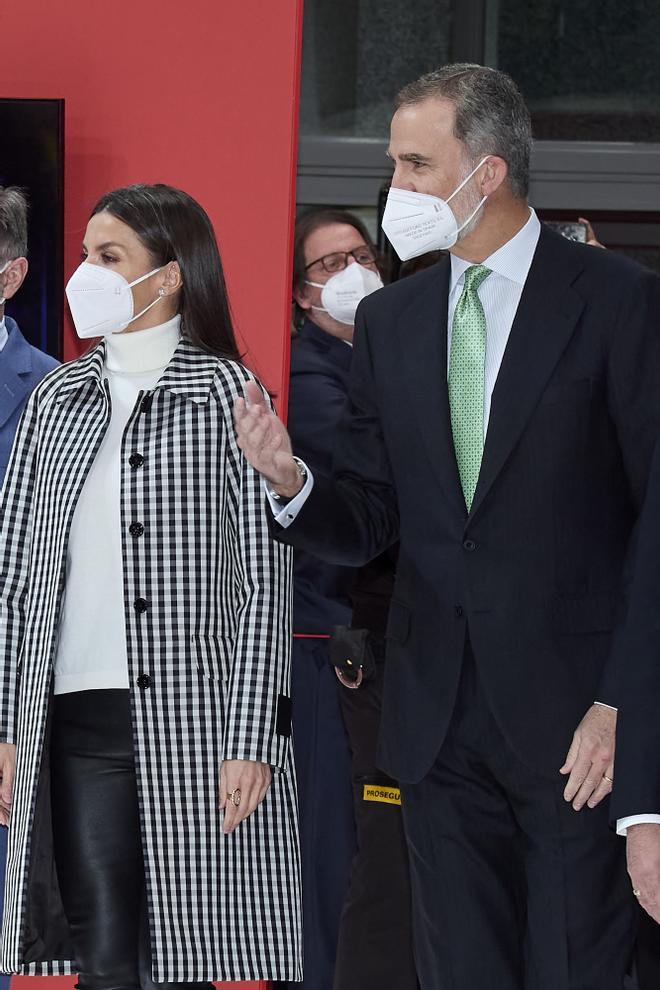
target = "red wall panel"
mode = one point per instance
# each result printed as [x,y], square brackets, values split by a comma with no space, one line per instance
[202,95]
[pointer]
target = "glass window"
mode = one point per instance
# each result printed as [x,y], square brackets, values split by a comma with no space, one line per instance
[357,54]
[589,69]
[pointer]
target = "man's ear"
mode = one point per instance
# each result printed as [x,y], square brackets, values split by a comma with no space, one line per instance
[495,172]
[13,277]
[302,297]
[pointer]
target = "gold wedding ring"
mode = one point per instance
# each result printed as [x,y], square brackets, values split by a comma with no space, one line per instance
[235,797]
[611,779]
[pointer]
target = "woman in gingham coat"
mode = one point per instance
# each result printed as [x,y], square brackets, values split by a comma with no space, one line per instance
[145,636]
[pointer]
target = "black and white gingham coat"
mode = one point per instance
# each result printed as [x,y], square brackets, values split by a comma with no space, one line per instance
[208,664]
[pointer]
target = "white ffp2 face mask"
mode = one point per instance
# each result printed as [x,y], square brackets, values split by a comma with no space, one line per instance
[101,301]
[341,294]
[415,223]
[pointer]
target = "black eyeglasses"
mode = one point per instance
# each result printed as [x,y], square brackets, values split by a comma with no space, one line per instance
[337,261]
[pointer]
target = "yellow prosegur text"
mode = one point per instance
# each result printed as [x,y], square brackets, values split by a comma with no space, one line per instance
[385,795]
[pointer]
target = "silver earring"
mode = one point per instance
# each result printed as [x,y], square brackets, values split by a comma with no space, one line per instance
[161,292]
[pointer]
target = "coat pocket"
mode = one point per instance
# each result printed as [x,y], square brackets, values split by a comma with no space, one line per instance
[567,393]
[583,614]
[213,655]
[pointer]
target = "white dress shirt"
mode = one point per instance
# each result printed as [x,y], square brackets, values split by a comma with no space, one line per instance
[4,336]
[91,650]
[499,295]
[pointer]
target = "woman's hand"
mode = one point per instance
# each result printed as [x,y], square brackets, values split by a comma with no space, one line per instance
[7,767]
[248,781]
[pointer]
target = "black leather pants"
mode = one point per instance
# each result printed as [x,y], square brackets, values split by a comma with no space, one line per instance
[96,837]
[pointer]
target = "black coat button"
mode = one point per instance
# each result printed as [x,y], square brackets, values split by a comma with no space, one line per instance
[136,460]
[469,545]
[143,681]
[145,405]
[458,609]
[136,529]
[140,605]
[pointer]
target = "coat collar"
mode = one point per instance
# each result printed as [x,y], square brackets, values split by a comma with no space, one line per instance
[337,350]
[190,373]
[15,369]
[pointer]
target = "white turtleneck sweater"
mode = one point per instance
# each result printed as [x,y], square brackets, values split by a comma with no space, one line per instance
[91,649]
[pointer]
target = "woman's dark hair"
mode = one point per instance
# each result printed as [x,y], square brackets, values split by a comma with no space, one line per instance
[174,227]
[307,225]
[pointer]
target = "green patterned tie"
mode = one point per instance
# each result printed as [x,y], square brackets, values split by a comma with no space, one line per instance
[467,366]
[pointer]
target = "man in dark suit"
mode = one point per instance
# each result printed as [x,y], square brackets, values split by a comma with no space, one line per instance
[21,365]
[502,414]
[636,799]
[327,244]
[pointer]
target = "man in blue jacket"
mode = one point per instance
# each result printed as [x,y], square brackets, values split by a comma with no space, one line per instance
[22,366]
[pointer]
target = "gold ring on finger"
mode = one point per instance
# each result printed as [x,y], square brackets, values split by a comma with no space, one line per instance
[235,797]
[611,779]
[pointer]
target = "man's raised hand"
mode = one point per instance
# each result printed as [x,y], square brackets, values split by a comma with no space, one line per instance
[265,442]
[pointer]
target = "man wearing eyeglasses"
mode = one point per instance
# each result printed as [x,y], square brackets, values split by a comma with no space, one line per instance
[334,268]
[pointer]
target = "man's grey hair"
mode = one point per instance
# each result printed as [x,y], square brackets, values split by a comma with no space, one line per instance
[491,115]
[13,223]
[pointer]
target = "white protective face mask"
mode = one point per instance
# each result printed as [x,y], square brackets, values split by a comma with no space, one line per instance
[415,223]
[342,293]
[2,270]
[101,301]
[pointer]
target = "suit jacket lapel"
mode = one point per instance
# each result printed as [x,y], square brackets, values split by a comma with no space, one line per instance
[15,368]
[423,332]
[548,312]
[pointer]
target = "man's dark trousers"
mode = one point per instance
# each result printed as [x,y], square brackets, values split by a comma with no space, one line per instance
[514,858]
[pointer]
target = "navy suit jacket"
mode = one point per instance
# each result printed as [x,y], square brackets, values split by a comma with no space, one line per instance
[320,365]
[22,367]
[637,652]
[533,573]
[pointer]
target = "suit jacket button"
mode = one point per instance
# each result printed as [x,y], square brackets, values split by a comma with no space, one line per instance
[136,460]
[143,681]
[136,529]
[140,605]
[469,545]
[458,609]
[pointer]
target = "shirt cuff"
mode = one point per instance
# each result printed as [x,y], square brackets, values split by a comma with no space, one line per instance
[623,824]
[285,514]
[603,705]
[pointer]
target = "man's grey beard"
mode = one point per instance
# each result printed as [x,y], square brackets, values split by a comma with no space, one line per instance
[469,201]
[472,225]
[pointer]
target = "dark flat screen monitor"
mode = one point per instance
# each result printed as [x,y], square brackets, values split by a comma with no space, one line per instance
[32,157]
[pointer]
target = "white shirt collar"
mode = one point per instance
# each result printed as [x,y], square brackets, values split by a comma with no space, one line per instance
[142,350]
[4,335]
[513,260]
